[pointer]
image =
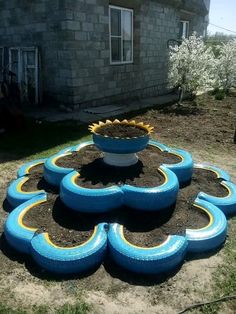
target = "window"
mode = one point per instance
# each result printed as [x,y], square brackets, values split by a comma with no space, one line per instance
[121,35]
[184,29]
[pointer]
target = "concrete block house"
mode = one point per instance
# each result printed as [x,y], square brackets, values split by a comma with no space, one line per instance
[92,52]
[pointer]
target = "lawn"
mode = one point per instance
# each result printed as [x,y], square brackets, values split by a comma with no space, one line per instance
[205,128]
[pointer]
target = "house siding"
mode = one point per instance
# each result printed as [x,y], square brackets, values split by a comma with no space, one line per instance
[73,37]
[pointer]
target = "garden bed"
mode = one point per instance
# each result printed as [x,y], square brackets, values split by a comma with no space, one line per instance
[147,229]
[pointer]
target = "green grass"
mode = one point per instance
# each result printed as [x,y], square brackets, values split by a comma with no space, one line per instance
[224,278]
[36,310]
[39,140]
[78,308]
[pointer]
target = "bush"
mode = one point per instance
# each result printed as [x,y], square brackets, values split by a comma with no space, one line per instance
[219,95]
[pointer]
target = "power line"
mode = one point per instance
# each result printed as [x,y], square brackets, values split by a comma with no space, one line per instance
[226,29]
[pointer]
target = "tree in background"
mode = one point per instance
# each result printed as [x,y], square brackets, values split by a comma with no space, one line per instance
[191,66]
[226,66]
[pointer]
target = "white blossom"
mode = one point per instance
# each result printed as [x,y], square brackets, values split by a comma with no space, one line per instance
[192,65]
[226,65]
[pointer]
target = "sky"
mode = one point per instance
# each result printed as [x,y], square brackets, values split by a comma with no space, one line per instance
[223,13]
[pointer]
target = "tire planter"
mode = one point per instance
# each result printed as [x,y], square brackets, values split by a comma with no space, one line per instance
[16,196]
[153,199]
[226,204]
[110,238]
[183,169]
[106,199]
[89,200]
[54,174]
[17,234]
[213,235]
[65,260]
[159,259]
[25,169]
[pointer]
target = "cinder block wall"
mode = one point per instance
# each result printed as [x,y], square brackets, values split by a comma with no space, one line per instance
[41,23]
[95,81]
[73,37]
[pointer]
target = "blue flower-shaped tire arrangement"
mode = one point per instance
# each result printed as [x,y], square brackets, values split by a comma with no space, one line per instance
[110,238]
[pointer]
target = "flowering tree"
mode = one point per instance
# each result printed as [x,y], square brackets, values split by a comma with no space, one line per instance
[226,66]
[192,66]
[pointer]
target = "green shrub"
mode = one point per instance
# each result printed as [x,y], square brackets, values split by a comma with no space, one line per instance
[219,95]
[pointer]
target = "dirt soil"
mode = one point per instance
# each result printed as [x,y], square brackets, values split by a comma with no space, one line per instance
[94,173]
[121,131]
[206,129]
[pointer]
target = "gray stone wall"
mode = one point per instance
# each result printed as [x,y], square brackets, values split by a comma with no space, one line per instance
[40,23]
[73,37]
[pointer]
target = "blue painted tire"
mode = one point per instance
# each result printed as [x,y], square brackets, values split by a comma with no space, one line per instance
[158,145]
[16,196]
[183,169]
[159,259]
[221,174]
[211,236]
[25,169]
[70,260]
[120,146]
[17,234]
[82,145]
[226,204]
[54,174]
[151,199]
[89,200]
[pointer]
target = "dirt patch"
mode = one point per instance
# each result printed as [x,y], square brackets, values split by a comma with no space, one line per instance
[121,131]
[37,169]
[145,173]
[76,160]
[37,182]
[65,227]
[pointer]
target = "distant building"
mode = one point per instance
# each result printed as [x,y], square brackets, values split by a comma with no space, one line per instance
[90,52]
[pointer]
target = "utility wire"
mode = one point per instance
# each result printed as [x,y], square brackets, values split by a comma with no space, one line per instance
[226,29]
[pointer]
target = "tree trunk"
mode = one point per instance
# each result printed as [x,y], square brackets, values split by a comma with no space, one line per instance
[235,136]
[181,95]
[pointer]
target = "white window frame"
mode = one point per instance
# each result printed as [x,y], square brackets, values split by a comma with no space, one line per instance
[121,36]
[185,34]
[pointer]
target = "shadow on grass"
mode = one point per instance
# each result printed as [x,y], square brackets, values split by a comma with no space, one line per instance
[6,206]
[36,137]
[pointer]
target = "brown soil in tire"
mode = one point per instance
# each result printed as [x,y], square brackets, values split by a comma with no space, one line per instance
[121,131]
[38,169]
[37,182]
[65,227]
[152,229]
[96,174]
